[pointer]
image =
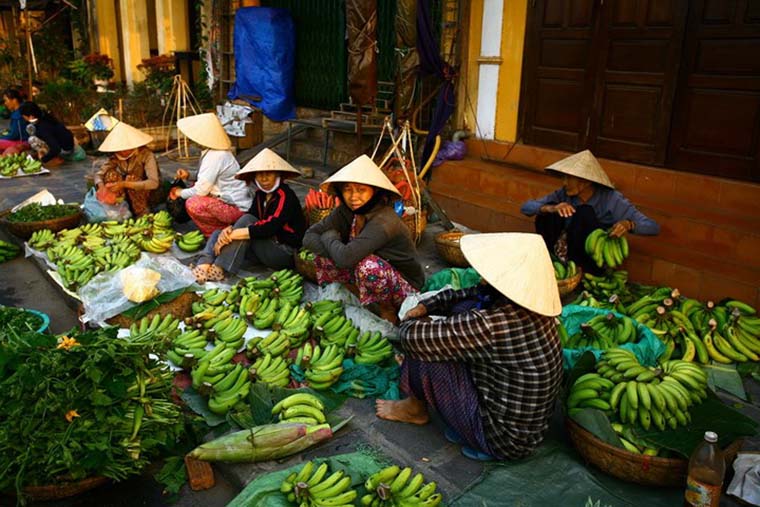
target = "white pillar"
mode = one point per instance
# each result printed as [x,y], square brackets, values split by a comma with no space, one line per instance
[488,63]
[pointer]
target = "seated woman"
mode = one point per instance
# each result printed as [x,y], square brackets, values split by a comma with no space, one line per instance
[131,169]
[363,243]
[269,233]
[217,199]
[51,141]
[493,371]
[15,139]
[587,201]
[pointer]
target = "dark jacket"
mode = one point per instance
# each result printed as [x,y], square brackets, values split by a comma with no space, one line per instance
[17,128]
[384,234]
[56,136]
[281,217]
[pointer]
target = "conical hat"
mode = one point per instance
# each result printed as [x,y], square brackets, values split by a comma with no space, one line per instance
[583,165]
[267,160]
[516,264]
[124,137]
[361,170]
[206,130]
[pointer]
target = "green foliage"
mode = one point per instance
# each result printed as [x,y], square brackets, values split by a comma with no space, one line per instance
[70,102]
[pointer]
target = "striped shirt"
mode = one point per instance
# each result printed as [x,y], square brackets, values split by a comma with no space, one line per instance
[515,358]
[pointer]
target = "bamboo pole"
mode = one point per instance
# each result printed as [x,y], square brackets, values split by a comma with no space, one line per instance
[28,54]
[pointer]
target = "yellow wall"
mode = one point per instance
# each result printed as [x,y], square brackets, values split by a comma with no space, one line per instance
[108,34]
[510,72]
[172,19]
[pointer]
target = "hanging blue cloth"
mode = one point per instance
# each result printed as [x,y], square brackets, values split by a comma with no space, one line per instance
[265,64]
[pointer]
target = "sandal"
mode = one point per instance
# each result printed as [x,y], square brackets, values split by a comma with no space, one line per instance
[200,272]
[214,274]
[474,454]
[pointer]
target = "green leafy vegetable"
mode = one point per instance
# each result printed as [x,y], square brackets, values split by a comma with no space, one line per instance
[35,212]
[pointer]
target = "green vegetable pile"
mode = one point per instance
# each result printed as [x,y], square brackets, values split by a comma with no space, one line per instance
[35,212]
[81,405]
[10,165]
[18,320]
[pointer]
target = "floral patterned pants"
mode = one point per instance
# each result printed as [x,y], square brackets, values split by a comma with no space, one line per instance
[211,214]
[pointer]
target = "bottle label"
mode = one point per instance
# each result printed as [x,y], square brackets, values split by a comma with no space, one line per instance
[700,494]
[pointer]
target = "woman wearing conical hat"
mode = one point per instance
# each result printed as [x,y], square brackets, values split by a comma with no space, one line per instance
[363,243]
[492,372]
[271,231]
[587,201]
[131,169]
[217,199]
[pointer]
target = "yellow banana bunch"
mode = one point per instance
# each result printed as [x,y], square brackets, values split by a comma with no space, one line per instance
[157,244]
[191,241]
[300,408]
[42,239]
[315,486]
[396,486]
[605,249]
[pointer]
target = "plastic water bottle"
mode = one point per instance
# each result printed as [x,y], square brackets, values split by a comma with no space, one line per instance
[706,470]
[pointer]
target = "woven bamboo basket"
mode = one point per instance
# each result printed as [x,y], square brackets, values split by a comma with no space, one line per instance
[568,285]
[447,244]
[160,137]
[416,227]
[180,307]
[63,489]
[24,230]
[80,133]
[637,468]
[318,214]
[305,267]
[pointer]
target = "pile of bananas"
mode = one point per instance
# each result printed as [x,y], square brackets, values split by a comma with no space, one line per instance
[190,241]
[393,486]
[10,165]
[313,487]
[229,331]
[225,383]
[187,348]
[266,313]
[207,317]
[602,287]
[602,332]
[288,286]
[645,306]
[325,367]
[275,344]
[634,444]
[334,328]
[649,396]
[8,251]
[605,249]
[564,271]
[300,408]
[158,328]
[739,341]
[371,348]
[293,321]
[270,370]
[700,314]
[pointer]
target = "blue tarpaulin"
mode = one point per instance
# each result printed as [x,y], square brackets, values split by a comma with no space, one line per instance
[265,62]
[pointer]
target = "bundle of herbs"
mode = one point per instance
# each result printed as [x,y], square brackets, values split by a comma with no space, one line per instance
[36,212]
[87,404]
[18,319]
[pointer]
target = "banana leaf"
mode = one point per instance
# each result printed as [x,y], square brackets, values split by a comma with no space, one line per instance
[726,377]
[141,310]
[710,415]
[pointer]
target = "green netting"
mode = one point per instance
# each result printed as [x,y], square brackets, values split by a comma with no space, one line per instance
[458,278]
[386,40]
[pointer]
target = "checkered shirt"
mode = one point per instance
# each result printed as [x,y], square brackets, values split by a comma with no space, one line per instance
[515,357]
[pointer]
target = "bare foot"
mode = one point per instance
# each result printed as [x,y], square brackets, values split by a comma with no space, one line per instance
[410,410]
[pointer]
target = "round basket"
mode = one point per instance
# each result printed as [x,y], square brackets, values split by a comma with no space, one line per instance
[416,227]
[305,267]
[318,214]
[568,285]
[447,244]
[63,489]
[180,307]
[24,230]
[630,467]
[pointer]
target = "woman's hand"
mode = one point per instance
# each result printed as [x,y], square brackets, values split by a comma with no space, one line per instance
[563,209]
[182,174]
[417,312]
[117,186]
[174,193]
[224,239]
[621,227]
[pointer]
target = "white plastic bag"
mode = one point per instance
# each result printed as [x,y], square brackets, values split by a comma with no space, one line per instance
[103,297]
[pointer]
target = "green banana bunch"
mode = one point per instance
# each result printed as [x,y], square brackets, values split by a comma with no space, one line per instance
[634,444]
[232,387]
[266,313]
[564,271]
[700,314]
[606,250]
[739,341]
[325,367]
[300,408]
[316,486]
[296,325]
[590,391]
[337,329]
[603,332]
[214,297]
[248,305]
[160,220]
[306,254]
[8,251]
[303,355]
[603,287]
[371,348]
[18,163]
[208,316]
[229,331]
[158,328]
[190,241]
[649,397]
[270,370]
[187,348]
[42,239]
[275,344]
[288,286]
[394,486]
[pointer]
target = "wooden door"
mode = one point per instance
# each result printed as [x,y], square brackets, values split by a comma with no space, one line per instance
[716,129]
[556,88]
[639,51]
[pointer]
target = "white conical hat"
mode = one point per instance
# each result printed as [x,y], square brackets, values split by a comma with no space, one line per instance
[268,160]
[583,165]
[518,265]
[206,130]
[361,170]
[124,137]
